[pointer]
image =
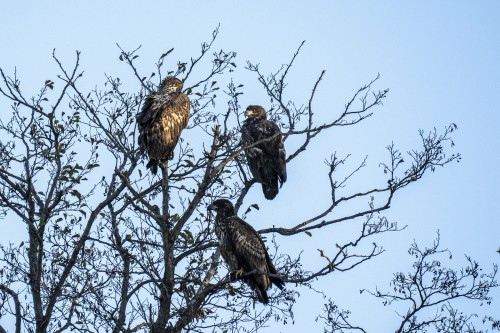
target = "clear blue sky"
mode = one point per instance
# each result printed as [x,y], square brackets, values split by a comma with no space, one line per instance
[441,60]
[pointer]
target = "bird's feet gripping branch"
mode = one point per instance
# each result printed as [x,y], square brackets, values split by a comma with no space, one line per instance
[236,275]
[242,247]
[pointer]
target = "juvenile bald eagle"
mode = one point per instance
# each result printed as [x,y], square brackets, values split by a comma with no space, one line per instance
[243,250]
[266,160]
[162,118]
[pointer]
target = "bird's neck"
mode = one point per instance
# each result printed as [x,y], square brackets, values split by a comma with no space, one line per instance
[221,216]
[253,120]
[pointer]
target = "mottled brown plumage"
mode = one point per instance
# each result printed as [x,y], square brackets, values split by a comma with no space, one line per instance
[162,118]
[243,250]
[266,160]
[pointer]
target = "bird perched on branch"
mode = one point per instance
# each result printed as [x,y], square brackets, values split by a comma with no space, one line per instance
[267,159]
[162,118]
[243,250]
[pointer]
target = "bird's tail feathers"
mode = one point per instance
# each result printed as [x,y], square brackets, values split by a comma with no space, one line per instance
[262,294]
[270,190]
[278,282]
[282,176]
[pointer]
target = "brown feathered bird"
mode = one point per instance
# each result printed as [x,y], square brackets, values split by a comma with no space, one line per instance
[243,250]
[266,160]
[162,118]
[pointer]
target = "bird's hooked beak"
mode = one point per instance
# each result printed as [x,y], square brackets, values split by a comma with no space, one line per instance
[212,207]
[248,113]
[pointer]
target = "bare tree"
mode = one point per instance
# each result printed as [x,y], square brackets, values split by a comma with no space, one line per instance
[429,296]
[109,247]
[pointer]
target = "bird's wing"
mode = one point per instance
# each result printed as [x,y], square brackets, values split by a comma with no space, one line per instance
[251,253]
[269,129]
[173,119]
[150,110]
[276,149]
[247,244]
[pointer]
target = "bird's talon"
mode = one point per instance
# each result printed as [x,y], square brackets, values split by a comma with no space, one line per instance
[239,273]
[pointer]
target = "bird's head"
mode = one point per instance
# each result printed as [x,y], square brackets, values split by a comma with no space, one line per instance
[255,111]
[222,206]
[170,85]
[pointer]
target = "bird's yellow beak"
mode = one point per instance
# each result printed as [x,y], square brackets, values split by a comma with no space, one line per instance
[248,113]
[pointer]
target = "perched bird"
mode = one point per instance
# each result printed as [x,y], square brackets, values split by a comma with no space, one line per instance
[266,160]
[243,250]
[162,118]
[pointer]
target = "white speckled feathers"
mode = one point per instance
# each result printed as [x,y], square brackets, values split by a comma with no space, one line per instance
[246,249]
[162,118]
[243,249]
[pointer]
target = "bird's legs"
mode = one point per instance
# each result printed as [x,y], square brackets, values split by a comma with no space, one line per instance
[238,273]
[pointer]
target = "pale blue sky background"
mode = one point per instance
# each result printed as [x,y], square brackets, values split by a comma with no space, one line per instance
[440,60]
